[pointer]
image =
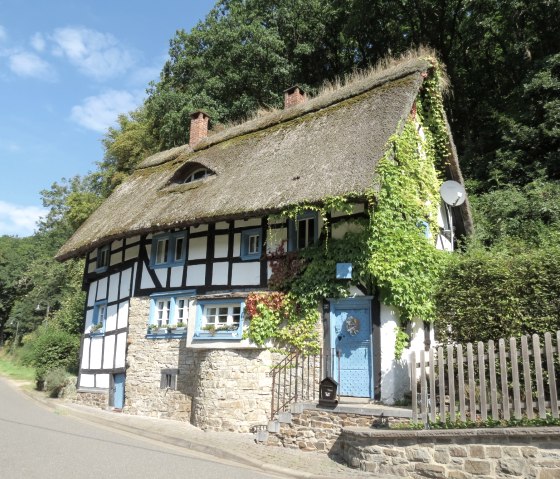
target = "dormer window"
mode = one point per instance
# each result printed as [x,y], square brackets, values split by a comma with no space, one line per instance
[199,174]
[190,173]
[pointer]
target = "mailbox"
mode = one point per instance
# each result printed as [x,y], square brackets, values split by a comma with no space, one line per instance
[327,392]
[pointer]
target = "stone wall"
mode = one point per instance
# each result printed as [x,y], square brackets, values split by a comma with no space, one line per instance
[94,398]
[233,391]
[459,454]
[146,358]
[317,429]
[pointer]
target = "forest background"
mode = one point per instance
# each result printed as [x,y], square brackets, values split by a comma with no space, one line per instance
[503,61]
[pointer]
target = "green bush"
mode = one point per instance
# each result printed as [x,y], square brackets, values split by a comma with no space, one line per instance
[55,381]
[51,348]
[499,293]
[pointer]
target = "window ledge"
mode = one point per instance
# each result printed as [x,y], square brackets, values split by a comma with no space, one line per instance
[218,335]
[94,334]
[173,333]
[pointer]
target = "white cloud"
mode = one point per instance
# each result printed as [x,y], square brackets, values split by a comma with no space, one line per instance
[99,112]
[19,220]
[3,34]
[95,54]
[38,42]
[30,65]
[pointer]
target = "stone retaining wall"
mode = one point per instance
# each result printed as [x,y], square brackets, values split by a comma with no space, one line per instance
[316,429]
[98,398]
[457,454]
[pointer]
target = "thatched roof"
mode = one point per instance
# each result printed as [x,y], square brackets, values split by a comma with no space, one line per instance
[327,146]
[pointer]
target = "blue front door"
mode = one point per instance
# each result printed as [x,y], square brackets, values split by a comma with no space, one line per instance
[118,401]
[351,345]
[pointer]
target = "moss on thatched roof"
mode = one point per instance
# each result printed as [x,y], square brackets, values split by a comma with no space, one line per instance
[328,146]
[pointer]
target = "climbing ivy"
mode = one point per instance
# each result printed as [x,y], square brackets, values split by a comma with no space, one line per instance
[393,252]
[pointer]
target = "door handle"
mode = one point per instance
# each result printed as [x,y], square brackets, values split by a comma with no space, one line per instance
[340,336]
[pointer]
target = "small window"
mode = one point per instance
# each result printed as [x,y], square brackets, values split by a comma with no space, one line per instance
[169,379]
[199,174]
[99,318]
[168,250]
[303,231]
[251,244]
[169,311]
[222,319]
[102,259]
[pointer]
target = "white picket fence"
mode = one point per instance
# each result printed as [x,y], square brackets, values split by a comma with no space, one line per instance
[483,384]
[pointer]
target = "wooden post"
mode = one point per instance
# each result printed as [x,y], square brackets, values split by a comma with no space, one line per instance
[493,388]
[451,382]
[470,367]
[538,375]
[527,378]
[461,381]
[515,378]
[504,379]
[414,386]
[433,392]
[482,382]
[441,371]
[551,374]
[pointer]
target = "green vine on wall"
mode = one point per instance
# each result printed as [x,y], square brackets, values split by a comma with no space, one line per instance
[391,254]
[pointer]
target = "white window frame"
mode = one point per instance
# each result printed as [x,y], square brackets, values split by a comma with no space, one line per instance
[103,258]
[246,253]
[169,305]
[230,328]
[99,317]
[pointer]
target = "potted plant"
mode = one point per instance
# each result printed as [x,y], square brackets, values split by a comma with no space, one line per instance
[152,328]
[96,328]
[180,326]
[211,328]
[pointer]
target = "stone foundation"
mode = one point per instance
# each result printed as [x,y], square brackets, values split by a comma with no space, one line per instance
[146,358]
[467,453]
[94,398]
[317,429]
[233,391]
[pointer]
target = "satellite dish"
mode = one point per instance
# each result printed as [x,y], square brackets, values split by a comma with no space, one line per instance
[453,193]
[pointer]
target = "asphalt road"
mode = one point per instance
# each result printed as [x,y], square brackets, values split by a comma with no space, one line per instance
[36,443]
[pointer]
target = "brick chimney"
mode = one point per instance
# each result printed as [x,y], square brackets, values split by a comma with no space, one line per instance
[199,127]
[294,96]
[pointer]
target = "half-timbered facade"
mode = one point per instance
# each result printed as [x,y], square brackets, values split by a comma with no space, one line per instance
[172,254]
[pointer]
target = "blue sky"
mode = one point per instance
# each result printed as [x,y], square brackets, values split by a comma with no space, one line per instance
[67,69]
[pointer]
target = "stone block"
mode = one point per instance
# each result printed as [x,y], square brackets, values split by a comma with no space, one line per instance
[457,475]
[529,451]
[442,457]
[477,451]
[478,467]
[494,452]
[458,451]
[511,451]
[285,417]
[418,455]
[512,466]
[430,470]
[549,474]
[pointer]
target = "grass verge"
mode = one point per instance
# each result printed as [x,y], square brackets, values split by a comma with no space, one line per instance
[10,368]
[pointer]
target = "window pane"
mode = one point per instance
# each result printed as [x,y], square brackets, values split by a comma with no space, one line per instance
[301,234]
[310,231]
[179,243]
[253,244]
[161,251]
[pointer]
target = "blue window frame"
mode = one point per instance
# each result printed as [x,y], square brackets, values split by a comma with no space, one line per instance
[102,261]
[219,320]
[251,244]
[168,250]
[169,311]
[303,231]
[99,319]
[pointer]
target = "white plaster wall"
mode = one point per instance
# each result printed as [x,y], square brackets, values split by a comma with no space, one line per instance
[246,273]
[91,267]
[161,274]
[123,315]
[95,352]
[176,276]
[221,246]
[85,354]
[236,244]
[356,208]
[120,354]
[220,273]
[125,283]
[111,323]
[89,318]
[109,352]
[222,225]
[197,248]
[113,287]
[199,228]
[395,376]
[102,289]
[87,380]
[132,252]
[196,275]
[115,258]
[251,222]
[146,282]
[102,381]
[340,229]
[91,293]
